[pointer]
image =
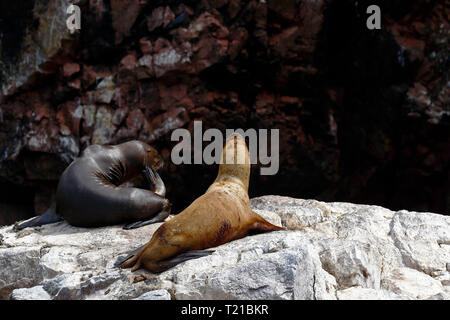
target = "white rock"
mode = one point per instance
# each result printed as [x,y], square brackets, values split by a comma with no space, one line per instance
[423,240]
[34,293]
[279,265]
[352,263]
[412,283]
[359,293]
[295,214]
[330,251]
[155,295]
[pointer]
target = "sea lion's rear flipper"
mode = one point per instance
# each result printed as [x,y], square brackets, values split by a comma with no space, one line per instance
[194,254]
[160,217]
[49,216]
[262,225]
[155,181]
[130,255]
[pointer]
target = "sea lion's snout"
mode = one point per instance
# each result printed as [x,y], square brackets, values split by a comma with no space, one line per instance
[158,163]
[167,206]
[235,139]
[235,134]
[153,158]
[235,151]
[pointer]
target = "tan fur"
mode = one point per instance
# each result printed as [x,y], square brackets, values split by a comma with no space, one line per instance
[221,214]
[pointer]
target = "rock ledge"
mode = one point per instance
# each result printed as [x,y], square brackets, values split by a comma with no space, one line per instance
[330,251]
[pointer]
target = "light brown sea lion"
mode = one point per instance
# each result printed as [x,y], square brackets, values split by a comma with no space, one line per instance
[91,191]
[220,215]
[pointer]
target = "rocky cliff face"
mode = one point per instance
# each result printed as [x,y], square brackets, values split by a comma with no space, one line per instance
[363,114]
[329,251]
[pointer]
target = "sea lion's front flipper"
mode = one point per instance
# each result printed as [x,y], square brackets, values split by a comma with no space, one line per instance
[160,217]
[155,181]
[263,225]
[49,216]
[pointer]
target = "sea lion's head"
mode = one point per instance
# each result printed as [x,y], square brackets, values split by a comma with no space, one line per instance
[152,157]
[235,160]
[141,154]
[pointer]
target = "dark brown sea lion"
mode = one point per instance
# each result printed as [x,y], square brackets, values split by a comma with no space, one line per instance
[90,191]
[221,214]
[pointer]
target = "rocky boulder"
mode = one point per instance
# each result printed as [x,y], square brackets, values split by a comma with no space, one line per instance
[329,251]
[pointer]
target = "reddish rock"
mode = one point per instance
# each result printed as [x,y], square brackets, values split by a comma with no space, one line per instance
[171,96]
[161,17]
[124,14]
[145,69]
[127,69]
[160,44]
[290,100]
[75,84]
[65,117]
[134,121]
[146,46]
[41,111]
[129,62]
[70,68]
[169,59]
[89,76]
[208,52]
[419,95]
[98,7]
[165,123]
[234,7]
[285,45]
[219,3]
[238,39]
[311,17]
[183,8]
[414,47]
[286,9]
[207,23]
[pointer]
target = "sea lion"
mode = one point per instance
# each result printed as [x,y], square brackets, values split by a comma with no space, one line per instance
[90,192]
[220,215]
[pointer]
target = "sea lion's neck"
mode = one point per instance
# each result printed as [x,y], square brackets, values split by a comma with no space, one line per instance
[235,164]
[227,179]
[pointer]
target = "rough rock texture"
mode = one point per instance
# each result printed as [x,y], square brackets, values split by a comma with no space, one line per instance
[363,114]
[330,251]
